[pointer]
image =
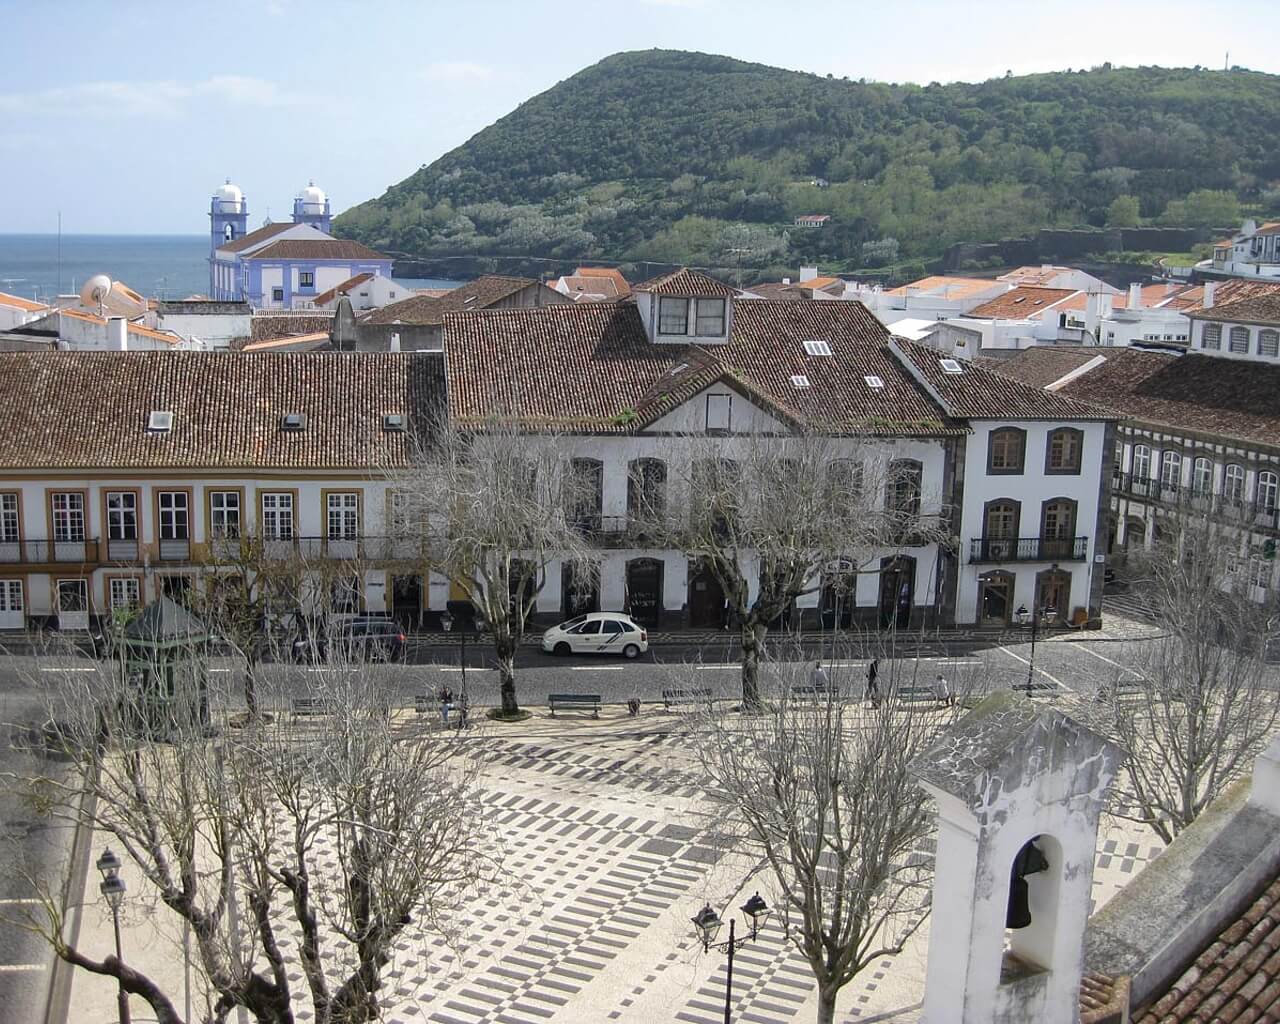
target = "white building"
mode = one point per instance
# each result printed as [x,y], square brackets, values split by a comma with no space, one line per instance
[930,298]
[1238,320]
[364,291]
[1254,253]
[16,311]
[205,323]
[80,330]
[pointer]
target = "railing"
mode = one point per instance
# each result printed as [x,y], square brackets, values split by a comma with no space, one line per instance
[1028,549]
[175,549]
[122,550]
[1209,503]
[46,552]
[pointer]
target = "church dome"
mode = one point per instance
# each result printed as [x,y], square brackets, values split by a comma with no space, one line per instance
[313,198]
[229,197]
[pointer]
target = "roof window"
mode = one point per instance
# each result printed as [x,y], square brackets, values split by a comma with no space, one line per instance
[799,380]
[817,348]
[394,423]
[950,366]
[1020,298]
[160,421]
[293,421]
[874,382]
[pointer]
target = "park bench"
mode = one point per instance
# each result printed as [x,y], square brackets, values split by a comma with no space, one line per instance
[691,696]
[811,692]
[915,694]
[304,706]
[574,702]
[1122,691]
[424,704]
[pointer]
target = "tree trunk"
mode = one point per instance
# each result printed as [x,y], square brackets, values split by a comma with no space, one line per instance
[826,1007]
[752,646]
[251,685]
[505,647]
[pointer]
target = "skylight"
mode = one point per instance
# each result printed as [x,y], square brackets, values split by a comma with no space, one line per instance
[394,423]
[1020,298]
[293,421]
[799,380]
[160,421]
[950,366]
[817,348]
[874,382]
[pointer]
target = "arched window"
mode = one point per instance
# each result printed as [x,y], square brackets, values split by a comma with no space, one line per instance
[1006,451]
[1269,343]
[1202,476]
[646,490]
[903,490]
[1057,528]
[1239,339]
[584,494]
[1064,449]
[1141,462]
[1212,336]
[1233,483]
[844,483]
[1000,528]
[1268,490]
[1170,468]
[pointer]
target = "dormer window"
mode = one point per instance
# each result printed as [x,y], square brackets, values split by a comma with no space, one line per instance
[710,320]
[673,315]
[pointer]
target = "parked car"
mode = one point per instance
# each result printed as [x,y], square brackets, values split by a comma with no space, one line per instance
[362,639]
[597,633]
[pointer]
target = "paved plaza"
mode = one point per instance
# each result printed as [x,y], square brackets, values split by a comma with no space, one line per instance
[605,846]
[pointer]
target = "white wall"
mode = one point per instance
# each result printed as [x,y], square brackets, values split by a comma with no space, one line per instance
[214,330]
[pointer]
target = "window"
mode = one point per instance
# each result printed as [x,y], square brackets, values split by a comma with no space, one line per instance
[1170,468]
[160,421]
[1239,339]
[1268,490]
[1063,455]
[277,294]
[344,595]
[799,380]
[646,489]
[68,516]
[1212,336]
[950,366]
[1141,462]
[817,348]
[344,515]
[224,514]
[718,408]
[673,315]
[873,382]
[293,421]
[124,593]
[1000,524]
[306,279]
[584,493]
[844,483]
[1006,449]
[1233,483]
[710,318]
[277,515]
[1057,528]
[904,486]
[9,532]
[1202,476]
[122,515]
[1259,570]
[612,627]
[1269,343]
[174,518]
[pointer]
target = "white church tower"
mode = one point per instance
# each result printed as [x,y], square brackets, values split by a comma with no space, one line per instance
[1019,789]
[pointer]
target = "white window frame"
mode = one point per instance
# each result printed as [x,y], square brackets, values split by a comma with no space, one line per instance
[719,414]
[667,304]
[224,514]
[1268,490]
[1233,482]
[124,592]
[1269,342]
[173,513]
[306,278]
[720,318]
[277,515]
[1170,468]
[68,517]
[122,515]
[1211,341]
[1202,476]
[10,520]
[1238,339]
[342,515]
[1141,454]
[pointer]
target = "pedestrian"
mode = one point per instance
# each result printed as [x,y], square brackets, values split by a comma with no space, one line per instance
[819,679]
[873,685]
[446,704]
[942,690]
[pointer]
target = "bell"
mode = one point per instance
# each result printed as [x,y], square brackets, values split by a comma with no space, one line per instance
[1029,861]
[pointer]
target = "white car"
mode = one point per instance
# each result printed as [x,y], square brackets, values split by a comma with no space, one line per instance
[597,633]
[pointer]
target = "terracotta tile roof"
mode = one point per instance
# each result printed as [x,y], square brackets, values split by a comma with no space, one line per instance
[266,326]
[341,289]
[255,237]
[1252,302]
[686,282]
[203,307]
[1193,295]
[1235,979]
[1033,275]
[1020,303]
[604,287]
[296,342]
[1229,398]
[1041,365]
[88,410]
[620,283]
[979,393]
[26,305]
[821,282]
[316,249]
[1272,227]
[430,309]
[943,287]
[778,292]
[1103,998]
[593,367]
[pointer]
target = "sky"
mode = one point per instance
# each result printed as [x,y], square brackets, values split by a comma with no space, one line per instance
[125,115]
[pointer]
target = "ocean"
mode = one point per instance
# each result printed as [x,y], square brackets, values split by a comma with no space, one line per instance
[158,266]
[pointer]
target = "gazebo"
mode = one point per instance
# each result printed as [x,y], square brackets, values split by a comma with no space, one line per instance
[165,662]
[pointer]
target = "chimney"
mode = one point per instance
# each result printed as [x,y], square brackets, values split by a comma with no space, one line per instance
[1135,295]
[786,280]
[395,342]
[808,274]
[117,334]
[1209,288]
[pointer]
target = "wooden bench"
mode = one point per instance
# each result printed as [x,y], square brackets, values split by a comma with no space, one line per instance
[311,706]
[694,695]
[1122,691]
[424,704]
[574,702]
[812,692]
[915,694]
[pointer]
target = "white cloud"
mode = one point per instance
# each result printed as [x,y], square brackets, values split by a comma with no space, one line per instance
[457,71]
[144,99]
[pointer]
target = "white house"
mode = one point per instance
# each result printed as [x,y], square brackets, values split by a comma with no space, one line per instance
[1238,320]
[16,311]
[205,323]
[364,291]
[1253,253]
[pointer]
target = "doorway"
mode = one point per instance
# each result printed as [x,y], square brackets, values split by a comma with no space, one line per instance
[897,591]
[995,598]
[73,604]
[579,589]
[839,595]
[644,591]
[706,599]
[1053,594]
[406,601]
[12,611]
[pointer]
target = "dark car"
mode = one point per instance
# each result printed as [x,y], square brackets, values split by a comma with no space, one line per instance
[361,639]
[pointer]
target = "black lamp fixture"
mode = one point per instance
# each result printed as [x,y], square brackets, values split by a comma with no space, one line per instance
[707,925]
[113,888]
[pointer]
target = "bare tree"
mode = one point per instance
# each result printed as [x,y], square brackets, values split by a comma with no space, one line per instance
[497,503]
[1200,702]
[818,789]
[767,515]
[340,832]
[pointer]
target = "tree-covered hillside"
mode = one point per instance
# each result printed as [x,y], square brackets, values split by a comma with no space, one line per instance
[691,158]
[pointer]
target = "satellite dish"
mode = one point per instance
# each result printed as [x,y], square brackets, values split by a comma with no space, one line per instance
[95,291]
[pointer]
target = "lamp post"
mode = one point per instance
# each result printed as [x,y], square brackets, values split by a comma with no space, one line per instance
[446,623]
[113,888]
[707,925]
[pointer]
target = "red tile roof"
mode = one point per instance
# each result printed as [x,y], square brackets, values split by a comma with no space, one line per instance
[316,249]
[687,283]
[943,287]
[257,236]
[26,305]
[266,326]
[1251,302]
[1041,365]
[1020,303]
[481,293]
[342,289]
[620,283]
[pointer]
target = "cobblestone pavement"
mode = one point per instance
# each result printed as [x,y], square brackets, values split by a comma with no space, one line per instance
[601,822]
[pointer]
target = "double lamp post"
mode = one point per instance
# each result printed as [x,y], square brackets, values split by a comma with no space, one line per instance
[113,888]
[707,925]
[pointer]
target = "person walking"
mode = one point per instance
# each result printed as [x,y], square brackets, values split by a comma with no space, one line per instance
[942,690]
[446,704]
[873,685]
[819,679]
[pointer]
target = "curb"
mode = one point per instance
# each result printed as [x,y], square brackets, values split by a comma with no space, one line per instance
[58,1004]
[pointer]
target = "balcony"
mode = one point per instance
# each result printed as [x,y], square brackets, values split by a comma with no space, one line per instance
[175,549]
[1209,503]
[1028,549]
[49,552]
[613,531]
[122,549]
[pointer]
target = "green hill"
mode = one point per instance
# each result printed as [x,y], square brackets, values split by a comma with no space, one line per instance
[688,158]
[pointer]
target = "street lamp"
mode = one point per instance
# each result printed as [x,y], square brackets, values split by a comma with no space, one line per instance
[113,888]
[707,925]
[446,623]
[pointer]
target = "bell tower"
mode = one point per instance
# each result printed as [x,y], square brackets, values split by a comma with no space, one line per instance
[228,216]
[1019,789]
